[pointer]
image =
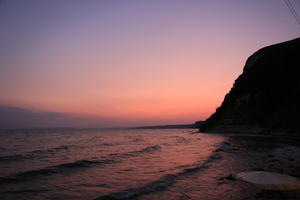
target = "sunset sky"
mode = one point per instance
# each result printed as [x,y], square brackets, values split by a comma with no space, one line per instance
[126,63]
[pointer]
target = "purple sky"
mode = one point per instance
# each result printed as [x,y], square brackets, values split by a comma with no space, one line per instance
[118,63]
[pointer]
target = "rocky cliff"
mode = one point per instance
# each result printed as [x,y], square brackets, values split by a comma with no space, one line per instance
[265,97]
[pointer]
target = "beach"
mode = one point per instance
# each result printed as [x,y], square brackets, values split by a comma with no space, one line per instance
[279,154]
[237,154]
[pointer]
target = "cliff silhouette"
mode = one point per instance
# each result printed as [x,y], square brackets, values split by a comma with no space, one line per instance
[265,98]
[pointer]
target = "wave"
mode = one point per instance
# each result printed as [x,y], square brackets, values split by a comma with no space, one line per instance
[52,150]
[25,191]
[57,169]
[162,183]
[180,139]
[149,149]
[32,155]
[15,157]
[37,154]
[66,167]
[155,186]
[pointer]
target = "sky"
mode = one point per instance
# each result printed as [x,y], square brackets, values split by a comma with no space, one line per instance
[114,63]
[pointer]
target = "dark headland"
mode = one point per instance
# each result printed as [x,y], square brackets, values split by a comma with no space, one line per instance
[261,112]
[265,98]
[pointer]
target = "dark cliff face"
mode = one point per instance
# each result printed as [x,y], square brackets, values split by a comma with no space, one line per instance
[266,96]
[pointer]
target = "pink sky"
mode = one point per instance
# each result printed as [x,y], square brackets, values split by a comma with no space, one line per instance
[152,62]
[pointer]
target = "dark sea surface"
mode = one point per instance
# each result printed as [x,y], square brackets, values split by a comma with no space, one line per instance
[102,164]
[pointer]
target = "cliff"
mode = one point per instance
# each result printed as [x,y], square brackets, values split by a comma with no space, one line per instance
[265,98]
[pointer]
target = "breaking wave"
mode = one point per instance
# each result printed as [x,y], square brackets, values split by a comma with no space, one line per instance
[57,169]
[149,149]
[33,154]
[160,184]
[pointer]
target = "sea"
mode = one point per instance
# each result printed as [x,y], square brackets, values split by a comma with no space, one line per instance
[62,164]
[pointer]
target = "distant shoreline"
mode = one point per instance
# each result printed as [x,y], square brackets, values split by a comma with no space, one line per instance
[169,126]
[178,126]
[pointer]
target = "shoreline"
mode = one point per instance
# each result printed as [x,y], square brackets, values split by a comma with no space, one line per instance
[238,153]
[258,153]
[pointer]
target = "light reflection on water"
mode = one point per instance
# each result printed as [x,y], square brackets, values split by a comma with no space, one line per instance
[86,164]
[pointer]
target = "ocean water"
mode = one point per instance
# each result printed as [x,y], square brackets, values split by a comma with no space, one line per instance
[101,164]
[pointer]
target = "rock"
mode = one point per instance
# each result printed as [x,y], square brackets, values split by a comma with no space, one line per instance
[223,148]
[270,180]
[229,177]
[258,169]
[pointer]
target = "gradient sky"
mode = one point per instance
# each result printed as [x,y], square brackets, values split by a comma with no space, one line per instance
[136,62]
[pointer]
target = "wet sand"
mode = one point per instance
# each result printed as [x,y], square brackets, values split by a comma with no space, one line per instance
[237,154]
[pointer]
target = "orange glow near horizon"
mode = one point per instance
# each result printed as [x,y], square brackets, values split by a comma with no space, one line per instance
[147,62]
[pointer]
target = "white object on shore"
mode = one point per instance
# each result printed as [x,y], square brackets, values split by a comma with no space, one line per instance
[270,180]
